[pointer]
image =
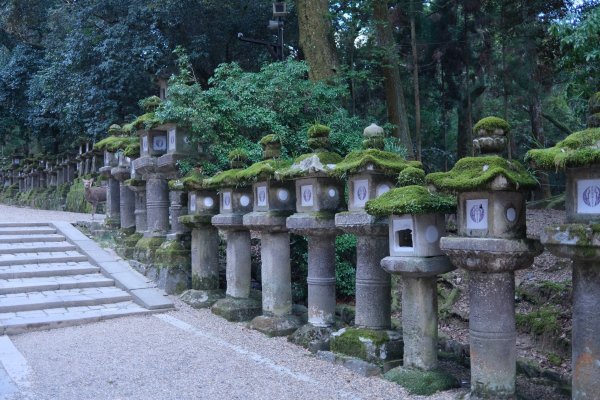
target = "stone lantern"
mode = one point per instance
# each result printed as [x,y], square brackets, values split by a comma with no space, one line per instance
[491,245]
[318,197]
[113,191]
[579,239]
[235,200]
[371,172]
[274,201]
[416,224]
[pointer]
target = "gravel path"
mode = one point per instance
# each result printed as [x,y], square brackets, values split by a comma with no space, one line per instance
[183,354]
[24,214]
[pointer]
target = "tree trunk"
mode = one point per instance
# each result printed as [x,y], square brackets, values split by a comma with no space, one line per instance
[316,38]
[394,96]
[413,42]
[537,130]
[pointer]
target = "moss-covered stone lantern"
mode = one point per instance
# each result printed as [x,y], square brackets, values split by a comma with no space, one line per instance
[417,222]
[318,197]
[370,173]
[274,201]
[236,199]
[491,244]
[579,239]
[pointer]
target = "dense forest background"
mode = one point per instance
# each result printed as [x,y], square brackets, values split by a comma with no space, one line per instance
[426,70]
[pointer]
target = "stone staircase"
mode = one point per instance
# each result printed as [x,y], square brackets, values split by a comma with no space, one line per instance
[50,280]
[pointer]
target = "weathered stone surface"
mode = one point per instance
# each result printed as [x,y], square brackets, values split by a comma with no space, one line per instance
[312,224]
[238,309]
[311,337]
[266,221]
[490,254]
[374,346]
[417,267]
[201,298]
[276,325]
[361,223]
[145,249]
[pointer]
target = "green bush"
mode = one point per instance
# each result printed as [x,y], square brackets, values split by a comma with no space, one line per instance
[345,268]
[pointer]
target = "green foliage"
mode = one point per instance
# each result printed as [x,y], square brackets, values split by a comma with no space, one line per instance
[345,269]
[385,162]
[411,176]
[411,200]
[543,321]
[146,121]
[490,124]
[75,201]
[193,180]
[150,104]
[579,149]
[115,130]
[476,173]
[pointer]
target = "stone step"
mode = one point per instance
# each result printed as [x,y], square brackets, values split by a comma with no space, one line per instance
[46,270]
[41,258]
[19,322]
[21,224]
[25,285]
[26,230]
[17,302]
[36,247]
[31,238]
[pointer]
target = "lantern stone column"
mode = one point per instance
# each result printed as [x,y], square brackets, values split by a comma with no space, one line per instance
[491,244]
[416,224]
[579,240]
[113,192]
[240,303]
[126,197]
[139,191]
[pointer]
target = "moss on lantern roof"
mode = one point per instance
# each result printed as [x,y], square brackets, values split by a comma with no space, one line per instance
[238,154]
[176,184]
[269,139]
[115,130]
[133,149]
[580,149]
[326,158]
[115,143]
[384,161]
[411,176]
[134,182]
[222,179]
[474,173]
[318,131]
[150,104]
[413,199]
[146,121]
[490,124]
[262,170]
[128,128]
[193,180]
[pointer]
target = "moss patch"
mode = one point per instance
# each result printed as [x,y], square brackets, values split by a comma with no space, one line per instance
[411,176]
[261,171]
[580,149]
[132,150]
[193,180]
[116,143]
[490,124]
[271,139]
[295,170]
[150,104]
[223,179]
[115,130]
[146,121]
[134,182]
[318,131]
[423,383]
[386,162]
[476,173]
[353,342]
[411,200]
[194,220]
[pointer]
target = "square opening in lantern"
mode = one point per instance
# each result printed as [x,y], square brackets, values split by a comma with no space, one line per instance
[402,234]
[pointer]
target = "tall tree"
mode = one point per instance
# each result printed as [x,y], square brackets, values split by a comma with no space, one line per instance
[394,94]
[316,38]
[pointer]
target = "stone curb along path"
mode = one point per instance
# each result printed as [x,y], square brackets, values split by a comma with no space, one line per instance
[52,275]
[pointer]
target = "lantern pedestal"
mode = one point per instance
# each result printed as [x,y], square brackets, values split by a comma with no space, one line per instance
[113,198]
[240,304]
[491,264]
[581,244]
[276,318]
